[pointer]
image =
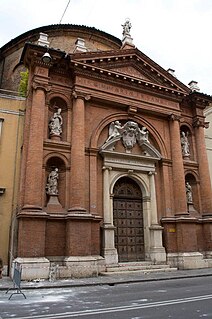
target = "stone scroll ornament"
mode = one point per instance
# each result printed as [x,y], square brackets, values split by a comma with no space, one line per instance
[52,183]
[130,133]
[55,123]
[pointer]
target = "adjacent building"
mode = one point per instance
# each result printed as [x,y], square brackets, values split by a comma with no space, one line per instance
[114,166]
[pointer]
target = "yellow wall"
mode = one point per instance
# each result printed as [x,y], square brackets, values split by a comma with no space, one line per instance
[208,137]
[12,113]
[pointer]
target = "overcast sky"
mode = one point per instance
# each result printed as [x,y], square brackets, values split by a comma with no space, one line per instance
[174,33]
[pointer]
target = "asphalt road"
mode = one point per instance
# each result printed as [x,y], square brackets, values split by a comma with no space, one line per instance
[177,299]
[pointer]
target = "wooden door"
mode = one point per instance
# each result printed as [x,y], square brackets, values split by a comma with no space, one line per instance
[128,220]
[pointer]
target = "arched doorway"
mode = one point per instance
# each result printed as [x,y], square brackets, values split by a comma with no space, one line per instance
[128,220]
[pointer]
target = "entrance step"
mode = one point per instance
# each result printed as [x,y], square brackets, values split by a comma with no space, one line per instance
[144,267]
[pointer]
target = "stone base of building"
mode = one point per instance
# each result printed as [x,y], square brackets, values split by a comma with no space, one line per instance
[188,260]
[82,266]
[33,268]
[68,267]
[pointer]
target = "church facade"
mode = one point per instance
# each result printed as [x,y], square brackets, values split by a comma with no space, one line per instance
[114,164]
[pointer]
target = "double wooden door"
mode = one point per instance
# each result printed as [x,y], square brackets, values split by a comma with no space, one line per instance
[128,220]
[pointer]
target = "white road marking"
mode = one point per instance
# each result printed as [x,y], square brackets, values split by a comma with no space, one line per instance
[92,312]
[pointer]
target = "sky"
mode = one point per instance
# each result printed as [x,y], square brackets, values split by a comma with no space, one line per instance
[175,34]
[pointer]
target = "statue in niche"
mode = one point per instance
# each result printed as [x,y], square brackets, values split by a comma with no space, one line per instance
[52,184]
[185,144]
[189,193]
[126,28]
[55,123]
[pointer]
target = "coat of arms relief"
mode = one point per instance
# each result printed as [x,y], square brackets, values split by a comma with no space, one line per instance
[130,133]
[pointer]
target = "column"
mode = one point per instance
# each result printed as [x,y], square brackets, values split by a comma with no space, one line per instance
[32,221]
[157,251]
[167,205]
[154,218]
[204,174]
[77,182]
[110,252]
[93,180]
[34,160]
[177,168]
[106,195]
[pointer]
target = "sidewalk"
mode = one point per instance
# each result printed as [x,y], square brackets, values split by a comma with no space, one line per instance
[109,279]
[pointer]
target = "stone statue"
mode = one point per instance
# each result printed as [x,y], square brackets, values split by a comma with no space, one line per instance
[129,133]
[142,135]
[185,144]
[51,186]
[55,123]
[126,28]
[189,193]
[115,129]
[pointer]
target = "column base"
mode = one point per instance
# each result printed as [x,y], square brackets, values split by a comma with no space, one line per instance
[109,251]
[157,252]
[181,214]
[110,256]
[77,210]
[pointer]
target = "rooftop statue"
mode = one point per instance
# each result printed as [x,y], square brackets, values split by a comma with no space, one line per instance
[126,28]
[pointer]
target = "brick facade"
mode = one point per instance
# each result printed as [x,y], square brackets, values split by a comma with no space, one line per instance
[93,89]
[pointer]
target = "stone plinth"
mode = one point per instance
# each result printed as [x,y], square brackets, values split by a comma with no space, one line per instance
[54,205]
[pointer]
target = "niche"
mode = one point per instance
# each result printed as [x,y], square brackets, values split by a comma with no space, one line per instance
[193,194]
[57,119]
[186,143]
[56,164]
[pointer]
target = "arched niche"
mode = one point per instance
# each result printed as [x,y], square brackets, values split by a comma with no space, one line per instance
[186,142]
[52,163]
[193,184]
[54,104]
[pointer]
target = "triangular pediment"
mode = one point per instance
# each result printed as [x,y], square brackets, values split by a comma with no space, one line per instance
[131,71]
[133,64]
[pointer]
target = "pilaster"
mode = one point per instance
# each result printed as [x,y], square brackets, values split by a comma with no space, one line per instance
[109,250]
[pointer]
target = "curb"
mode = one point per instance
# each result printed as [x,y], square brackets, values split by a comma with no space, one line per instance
[109,282]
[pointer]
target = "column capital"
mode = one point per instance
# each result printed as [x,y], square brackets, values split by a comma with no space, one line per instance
[200,122]
[81,95]
[150,173]
[174,117]
[104,168]
[40,86]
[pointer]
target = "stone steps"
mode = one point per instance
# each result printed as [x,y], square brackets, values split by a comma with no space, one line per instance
[144,267]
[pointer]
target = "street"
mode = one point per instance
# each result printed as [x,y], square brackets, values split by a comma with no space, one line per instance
[176,298]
